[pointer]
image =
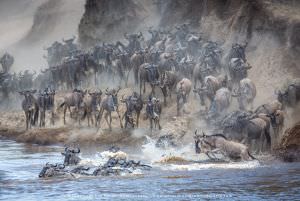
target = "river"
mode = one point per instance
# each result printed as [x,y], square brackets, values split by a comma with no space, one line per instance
[20,165]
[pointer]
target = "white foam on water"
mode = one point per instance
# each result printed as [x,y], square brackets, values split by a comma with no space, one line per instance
[154,154]
[203,166]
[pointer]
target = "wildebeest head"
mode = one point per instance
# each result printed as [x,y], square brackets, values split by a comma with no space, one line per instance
[114,95]
[207,142]
[28,93]
[71,156]
[49,170]
[282,97]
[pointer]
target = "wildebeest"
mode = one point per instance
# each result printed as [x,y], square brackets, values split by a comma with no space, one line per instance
[71,156]
[291,94]
[6,61]
[208,91]
[183,89]
[255,129]
[90,103]
[218,143]
[134,104]
[73,99]
[246,93]
[153,112]
[148,73]
[238,70]
[220,103]
[136,60]
[168,81]
[30,107]
[269,108]
[50,170]
[108,105]
[237,51]
[46,103]
[277,121]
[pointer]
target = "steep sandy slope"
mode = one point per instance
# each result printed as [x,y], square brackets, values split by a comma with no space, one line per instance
[271,28]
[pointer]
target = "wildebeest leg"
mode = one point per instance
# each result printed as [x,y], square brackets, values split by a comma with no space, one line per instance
[153,89]
[88,118]
[100,116]
[106,118]
[151,123]
[117,110]
[158,123]
[52,117]
[136,75]
[144,82]
[125,119]
[127,76]
[65,110]
[137,119]
[165,94]
[27,118]
[110,120]
[178,106]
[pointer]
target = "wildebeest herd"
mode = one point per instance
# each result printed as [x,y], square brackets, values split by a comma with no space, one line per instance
[178,62]
[117,163]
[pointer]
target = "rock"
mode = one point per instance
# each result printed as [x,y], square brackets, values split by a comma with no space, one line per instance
[289,147]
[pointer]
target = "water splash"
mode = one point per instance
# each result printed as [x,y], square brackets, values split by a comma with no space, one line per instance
[184,158]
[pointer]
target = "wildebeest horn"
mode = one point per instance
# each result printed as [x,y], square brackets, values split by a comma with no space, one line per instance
[78,151]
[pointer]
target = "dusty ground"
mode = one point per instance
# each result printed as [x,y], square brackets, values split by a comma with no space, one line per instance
[12,126]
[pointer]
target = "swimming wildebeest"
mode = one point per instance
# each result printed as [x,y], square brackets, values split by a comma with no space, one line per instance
[73,99]
[218,143]
[71,156]
[183,89]
[90,103]
[108,105]
[30,108]
[245,94]
[46,103]
[50,170]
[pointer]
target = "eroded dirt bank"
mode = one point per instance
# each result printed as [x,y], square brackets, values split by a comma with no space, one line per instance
[289,147]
